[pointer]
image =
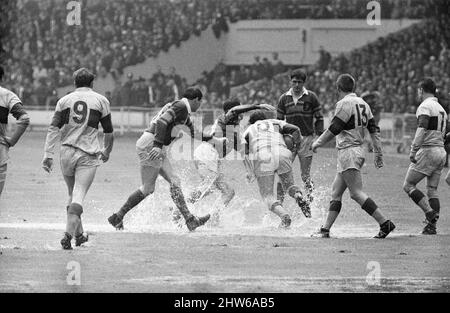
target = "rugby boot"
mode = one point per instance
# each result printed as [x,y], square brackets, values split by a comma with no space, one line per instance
[65,242]
[285,221]
[304,206]
[321,233]
[81,238]
[116,221]
[385,229]
[193,222]
[429,229]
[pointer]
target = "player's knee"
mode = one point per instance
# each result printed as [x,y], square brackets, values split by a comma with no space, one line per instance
[147,189]
[408,187]
[432,192]
[357,196]
[75,209]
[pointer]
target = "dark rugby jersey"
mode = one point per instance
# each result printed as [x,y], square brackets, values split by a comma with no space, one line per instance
[171,115]
[303,113]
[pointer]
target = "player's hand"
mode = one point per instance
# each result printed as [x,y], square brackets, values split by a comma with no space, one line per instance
[47,164]
[104,157]
[155,153]
[412,157]
[379,160]
[314,146]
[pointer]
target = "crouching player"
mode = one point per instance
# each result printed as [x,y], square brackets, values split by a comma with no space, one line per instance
[352,116]
[427,155]
[266,153]
[209,163]
[77,116]
[152,152]
[9,104]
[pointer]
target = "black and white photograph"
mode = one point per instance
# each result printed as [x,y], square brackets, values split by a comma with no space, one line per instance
[222,153]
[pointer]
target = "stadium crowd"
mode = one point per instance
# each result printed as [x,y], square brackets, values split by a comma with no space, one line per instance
[41,50]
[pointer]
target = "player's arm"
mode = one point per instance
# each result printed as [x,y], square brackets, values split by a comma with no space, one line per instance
[294,132]
[210,138]
[318,116]
[22,122]
[108,137]
[423,120]
[58,120]
[234,113]
[374,131]
[337,125]
[281,110]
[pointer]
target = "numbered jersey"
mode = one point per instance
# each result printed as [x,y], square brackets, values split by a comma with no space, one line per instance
[355,114]
[265,134]
[434,134]
[78,115]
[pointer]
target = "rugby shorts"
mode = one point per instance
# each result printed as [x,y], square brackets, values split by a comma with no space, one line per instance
[350,158]
[430,160]
[143,147]
[267,161]
[72,158]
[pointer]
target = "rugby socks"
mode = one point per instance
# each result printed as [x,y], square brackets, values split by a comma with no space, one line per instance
[178,199]
[372,209]
[333,213]
[280,192]
[419,198]
[74,212]
[435,206]
[134,199]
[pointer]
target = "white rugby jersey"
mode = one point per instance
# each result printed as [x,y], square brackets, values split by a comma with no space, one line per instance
[265,134]
[78,115]
[434,134]
[355,114]
[8,100]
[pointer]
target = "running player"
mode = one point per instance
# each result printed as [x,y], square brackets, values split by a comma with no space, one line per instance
[427,154]
[266,153]
[301,107]
[352,116]
[77,116]
[152,152]
[9,104]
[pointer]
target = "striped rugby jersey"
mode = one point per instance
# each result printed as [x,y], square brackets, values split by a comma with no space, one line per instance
[265,134]
[9,103]
[351,117]
[302,113]
[78,115]
[435,132]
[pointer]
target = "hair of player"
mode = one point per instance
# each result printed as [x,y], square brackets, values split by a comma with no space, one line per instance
[346,83]
[299,74]
[257,116]
[192,93]
[230,103]
[428,85]
[2,72]
[83,78]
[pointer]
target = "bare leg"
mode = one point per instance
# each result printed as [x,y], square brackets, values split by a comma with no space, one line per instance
[3,169]
[338,188]
[265,184]
[409,186]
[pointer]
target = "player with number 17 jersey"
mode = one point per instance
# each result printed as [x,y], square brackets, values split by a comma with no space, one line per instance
[78,115]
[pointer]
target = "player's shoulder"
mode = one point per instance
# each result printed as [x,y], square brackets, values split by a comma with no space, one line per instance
[7,94]
[312,94]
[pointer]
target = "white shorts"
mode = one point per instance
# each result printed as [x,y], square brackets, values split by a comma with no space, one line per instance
[268,162]
[430,160]
[207,160]
[73,159]
[350,158]
[143,147]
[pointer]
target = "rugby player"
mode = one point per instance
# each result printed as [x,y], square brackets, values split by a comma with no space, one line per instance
[210,163]
[301,107]
[352,116]
[266,153]
[152,152]
[9,104]
[77,116]
[427,154]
